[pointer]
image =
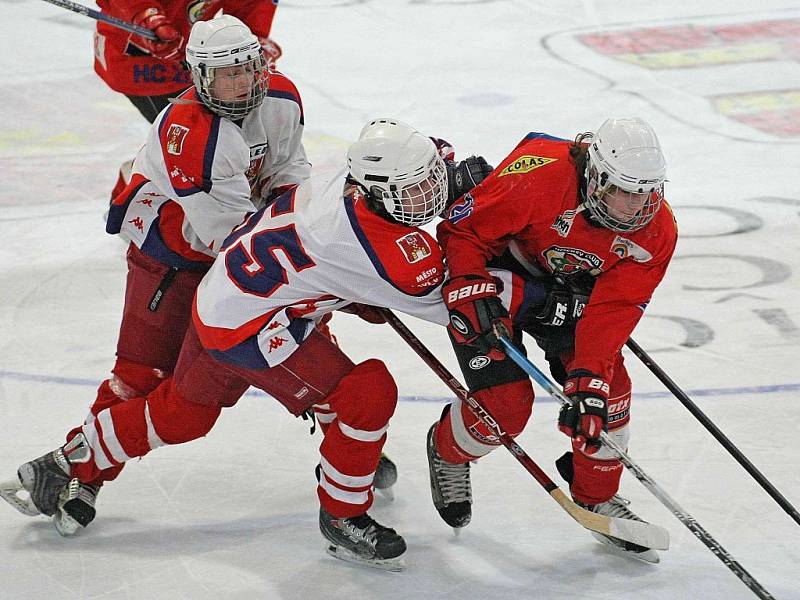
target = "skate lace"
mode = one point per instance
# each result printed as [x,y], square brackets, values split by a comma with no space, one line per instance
[617,506]
[364,527]
[453,481]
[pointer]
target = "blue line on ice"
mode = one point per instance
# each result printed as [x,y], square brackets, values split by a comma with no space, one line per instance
[727,391]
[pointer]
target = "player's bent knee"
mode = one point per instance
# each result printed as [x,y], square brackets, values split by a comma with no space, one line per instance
[175,419]
[510,403]
[367,396]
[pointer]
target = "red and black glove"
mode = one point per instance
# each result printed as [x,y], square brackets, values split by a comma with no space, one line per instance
[477,317]
[169,45]
[587,414]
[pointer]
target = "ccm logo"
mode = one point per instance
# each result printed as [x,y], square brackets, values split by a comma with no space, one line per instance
[471,290]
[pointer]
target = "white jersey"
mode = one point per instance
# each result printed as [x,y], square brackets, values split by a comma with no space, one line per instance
[199,175]
[310,252]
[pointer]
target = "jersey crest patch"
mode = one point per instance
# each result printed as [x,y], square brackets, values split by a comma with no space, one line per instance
[525,164]
[462,209]
[572,260]
[175,137]
[414,246]
[624,248]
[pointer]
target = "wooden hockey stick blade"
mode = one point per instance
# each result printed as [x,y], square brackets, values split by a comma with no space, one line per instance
[637,532]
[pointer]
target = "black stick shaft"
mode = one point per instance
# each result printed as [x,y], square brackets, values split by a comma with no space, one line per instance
[99,16]
[714,430]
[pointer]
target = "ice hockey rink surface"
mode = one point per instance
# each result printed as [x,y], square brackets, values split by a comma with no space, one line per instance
[234,515]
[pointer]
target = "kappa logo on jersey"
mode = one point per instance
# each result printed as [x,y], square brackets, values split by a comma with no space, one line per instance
[623,248]
[525,164]
[175,137]
[462,210]
[563,222]
[572,260]
[414,246]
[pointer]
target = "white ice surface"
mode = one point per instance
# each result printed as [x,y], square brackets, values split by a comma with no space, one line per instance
[233,515]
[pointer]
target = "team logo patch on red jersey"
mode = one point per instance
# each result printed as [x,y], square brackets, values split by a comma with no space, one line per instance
[572,260]
[414,246]
[175,136]
[525,164]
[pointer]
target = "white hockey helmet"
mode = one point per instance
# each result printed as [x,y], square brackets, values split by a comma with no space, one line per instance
[224,57]
[400,169]
[625,173]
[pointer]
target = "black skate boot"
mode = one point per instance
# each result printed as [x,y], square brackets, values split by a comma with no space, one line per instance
[363,540]
[385,476]
[450,487]
[51,490]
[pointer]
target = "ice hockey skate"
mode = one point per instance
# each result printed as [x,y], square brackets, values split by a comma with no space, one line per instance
[385,477]
[362,540]
[617,507]
[44,486]
[451,488]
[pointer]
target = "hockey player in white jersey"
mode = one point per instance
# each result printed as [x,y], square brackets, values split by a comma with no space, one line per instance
[221,150]
[311,251]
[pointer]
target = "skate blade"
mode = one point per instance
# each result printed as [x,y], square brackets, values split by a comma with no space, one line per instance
[9,491]
[649,556]
[388,564]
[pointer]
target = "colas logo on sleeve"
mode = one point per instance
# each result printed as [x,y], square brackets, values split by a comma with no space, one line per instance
[414,246]
[175,136]
[525,164]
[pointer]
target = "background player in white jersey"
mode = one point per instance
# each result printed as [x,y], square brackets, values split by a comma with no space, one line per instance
[311,251]
[226,146]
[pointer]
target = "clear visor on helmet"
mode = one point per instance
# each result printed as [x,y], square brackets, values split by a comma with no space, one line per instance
[233,91]
[417,203]
[619,209]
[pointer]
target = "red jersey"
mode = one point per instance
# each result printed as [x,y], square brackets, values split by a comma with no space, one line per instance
[126,67]
[529,202]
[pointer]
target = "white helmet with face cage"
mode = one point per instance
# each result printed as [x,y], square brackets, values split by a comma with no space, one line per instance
[625,162]
[399,169]
[214,47]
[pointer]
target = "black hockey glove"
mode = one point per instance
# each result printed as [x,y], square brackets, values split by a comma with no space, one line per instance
[561,306]
[465,175]
[586,417]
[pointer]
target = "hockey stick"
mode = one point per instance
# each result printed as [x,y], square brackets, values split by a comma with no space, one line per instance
[644,534]
[97,15]
[713,429]
[684,517]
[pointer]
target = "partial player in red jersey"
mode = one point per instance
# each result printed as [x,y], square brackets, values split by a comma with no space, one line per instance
[585,222]
[151,72]
[348,240]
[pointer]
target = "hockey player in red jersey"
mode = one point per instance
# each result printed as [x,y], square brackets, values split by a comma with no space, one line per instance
[586,220]
[225,148]
[151,72]
[312,250]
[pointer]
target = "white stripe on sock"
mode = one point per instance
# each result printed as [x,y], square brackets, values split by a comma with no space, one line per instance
[360,434]
[346,480]
[93,439]
[342,495]
[110,437]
